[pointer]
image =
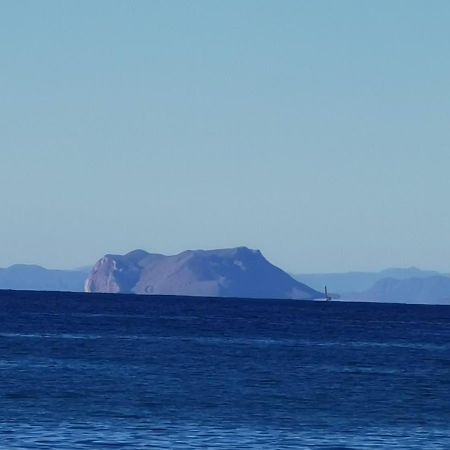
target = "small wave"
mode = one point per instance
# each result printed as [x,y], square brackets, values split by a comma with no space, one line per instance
[52,336]
[246,341]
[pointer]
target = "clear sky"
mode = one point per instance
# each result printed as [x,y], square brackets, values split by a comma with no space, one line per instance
[316,131]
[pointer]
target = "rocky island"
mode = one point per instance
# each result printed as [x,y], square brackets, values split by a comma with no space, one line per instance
[236,272]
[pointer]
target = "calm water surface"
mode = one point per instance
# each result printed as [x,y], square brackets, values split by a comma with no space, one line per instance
[98,371]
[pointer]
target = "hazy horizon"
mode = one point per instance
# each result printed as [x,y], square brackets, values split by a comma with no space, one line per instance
[356,270]
[316,132]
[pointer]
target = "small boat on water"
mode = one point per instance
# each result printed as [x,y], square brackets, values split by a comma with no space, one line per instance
[327,297]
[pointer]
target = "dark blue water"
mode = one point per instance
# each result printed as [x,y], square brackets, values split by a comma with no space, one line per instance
[92,371]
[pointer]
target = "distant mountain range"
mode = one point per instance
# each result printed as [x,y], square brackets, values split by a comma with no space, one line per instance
[236,272]
[351,282]
[434,289]
[37,278]
[408,285]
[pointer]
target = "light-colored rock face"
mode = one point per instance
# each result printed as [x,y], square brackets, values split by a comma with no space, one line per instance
[238,272]
[112,274]
[103,276]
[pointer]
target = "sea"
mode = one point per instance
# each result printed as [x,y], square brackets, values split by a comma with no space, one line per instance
[93,371]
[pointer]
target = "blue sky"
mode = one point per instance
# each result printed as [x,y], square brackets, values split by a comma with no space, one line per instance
[316,131]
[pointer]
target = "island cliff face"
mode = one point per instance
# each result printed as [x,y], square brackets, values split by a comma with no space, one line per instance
[237,272]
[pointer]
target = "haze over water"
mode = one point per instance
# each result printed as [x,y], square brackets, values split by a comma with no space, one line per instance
[93,371]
